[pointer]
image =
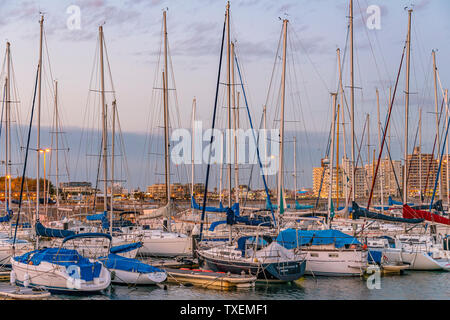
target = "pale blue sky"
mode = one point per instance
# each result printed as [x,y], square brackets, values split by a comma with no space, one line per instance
[132,31]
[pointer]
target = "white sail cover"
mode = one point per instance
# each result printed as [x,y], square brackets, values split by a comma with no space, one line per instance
[276,252]
[157,213]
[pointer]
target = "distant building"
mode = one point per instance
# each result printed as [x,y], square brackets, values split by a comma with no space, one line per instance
[117,189]
[177,191]
[76,187]
[422,168]
[390,173]
[321,178]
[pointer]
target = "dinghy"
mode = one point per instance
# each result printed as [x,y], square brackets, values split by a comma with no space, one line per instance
[12,292]
[131,271]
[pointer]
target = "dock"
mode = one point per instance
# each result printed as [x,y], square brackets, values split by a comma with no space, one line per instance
[9,292]
[208,279]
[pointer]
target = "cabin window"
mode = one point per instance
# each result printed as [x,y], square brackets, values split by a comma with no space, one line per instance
[333,255]
[314,255]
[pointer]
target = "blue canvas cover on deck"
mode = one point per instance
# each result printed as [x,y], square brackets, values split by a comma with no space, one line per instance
[95,217]
[6,218]
[392,202]
[292,238]
[52,233]
[66,258]
[359,212]
[114,261]
[221,209]
[126,248]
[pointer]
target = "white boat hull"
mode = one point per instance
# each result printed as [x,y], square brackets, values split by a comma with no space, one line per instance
[340,263]
[420,261]
[136,278]
[54,277]
[166,247]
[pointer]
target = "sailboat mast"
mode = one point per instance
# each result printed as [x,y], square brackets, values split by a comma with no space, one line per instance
[38,147]
[295,170]
[194,107]
[166,111]
[331,164]
[352,100]
[166,116]
[283,100]
[420,154]
[8,126]
[448,182]
[6,157]
[57,144]
[229,102]
[104,125]
[437,119]
[236,166]
[389,125]
[337,156]
[341,90]
[379,147]
[113,155]
[235,101]
[368,145]
[408,64]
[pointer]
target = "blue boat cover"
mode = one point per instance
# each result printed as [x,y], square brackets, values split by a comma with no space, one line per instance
[116,223]
[381,208]
[214,225]
[6,218]
[398,203]
[52,233]
[126,248]
[96,217]
[290,238]
[221,209]
[375,256]
[66,258]
[364,213]
[88,235]
[114,261]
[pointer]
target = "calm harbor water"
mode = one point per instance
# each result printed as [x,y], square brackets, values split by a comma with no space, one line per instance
[413,285]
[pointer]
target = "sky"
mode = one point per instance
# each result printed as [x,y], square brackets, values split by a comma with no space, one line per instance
[316,29]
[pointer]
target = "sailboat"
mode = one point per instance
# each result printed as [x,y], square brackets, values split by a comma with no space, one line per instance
[164,243]
[61,269]
[56,268]
[131,271]
[328,252]
[6,241]
[256,255]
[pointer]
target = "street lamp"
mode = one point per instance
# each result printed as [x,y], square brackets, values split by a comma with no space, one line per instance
[44,152]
